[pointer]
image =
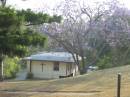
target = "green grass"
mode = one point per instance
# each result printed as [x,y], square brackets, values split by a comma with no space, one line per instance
[102,82]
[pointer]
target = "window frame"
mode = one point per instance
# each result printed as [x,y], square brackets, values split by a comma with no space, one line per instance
[56,66]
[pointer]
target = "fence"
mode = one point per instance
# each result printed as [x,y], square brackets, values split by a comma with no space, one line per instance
[118,85]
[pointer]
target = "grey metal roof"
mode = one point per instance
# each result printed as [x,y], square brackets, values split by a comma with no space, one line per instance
[52,56]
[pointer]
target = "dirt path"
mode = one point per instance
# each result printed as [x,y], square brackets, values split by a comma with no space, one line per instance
[49,93]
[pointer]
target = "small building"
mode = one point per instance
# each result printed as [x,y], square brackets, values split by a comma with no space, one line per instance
[50,65]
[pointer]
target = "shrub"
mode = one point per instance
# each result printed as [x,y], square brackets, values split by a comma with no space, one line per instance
[105,62]
[29,75]
[11,67]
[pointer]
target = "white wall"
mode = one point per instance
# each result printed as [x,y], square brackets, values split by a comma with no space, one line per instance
[48,72]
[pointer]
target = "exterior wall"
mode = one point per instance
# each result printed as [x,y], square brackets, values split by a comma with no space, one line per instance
[28,66]
[47,72]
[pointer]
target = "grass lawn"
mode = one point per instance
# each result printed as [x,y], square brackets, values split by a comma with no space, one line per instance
[100,83]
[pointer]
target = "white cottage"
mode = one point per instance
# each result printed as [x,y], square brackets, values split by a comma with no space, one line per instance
[49,65]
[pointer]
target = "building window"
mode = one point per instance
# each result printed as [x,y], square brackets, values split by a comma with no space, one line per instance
[56,66]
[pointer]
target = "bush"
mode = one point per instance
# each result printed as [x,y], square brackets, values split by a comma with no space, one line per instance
[11,67]
[105,62]
[29,75]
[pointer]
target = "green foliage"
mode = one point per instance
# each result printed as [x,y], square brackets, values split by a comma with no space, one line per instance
[105,62]
[103,55]
[55,18]
[11,67]
[38,18]
[98,49]
[116,57]
[13,39]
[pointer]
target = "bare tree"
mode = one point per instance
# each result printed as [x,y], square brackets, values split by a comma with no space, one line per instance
[82,23]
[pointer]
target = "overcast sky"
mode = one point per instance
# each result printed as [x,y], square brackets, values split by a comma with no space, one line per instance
[48,4]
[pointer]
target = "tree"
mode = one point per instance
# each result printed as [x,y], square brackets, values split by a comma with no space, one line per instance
[87,29]
[116,28]
[16,29]
[33,18]
[15,38]
[79,26]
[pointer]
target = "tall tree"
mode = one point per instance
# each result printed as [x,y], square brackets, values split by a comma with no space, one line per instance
[15,38]
[79,25]
[88,28]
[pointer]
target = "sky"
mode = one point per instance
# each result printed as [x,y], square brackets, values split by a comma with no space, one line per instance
[47,5]
[34,4]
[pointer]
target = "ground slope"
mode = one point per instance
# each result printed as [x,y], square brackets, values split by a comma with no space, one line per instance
[100,83]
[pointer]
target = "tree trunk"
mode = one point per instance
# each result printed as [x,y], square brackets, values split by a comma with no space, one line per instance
[76,59]
[83,71]
[3,2]
[1,68]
